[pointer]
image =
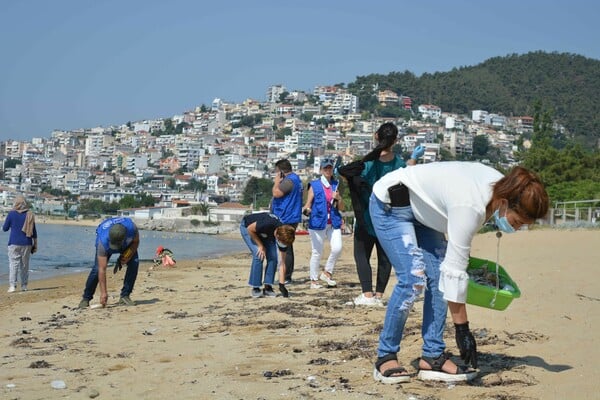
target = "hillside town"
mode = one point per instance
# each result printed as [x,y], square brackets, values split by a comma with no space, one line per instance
[205,156]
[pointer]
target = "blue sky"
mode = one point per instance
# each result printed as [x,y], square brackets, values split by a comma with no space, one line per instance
[68,64]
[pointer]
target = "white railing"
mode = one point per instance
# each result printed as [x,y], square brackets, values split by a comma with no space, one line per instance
[575,211]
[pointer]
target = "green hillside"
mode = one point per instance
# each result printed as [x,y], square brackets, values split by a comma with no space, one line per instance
[567,84]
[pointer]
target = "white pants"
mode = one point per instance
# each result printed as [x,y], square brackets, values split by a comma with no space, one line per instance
[317,240]
[18,259]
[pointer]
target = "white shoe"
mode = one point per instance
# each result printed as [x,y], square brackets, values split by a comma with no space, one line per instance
[363,300]
[23,288]
[326,279]
[11,289]
[379,301]
[315,286]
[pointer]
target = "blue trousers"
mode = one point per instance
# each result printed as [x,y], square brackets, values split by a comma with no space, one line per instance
[128,282]
[256,268]
[416,252]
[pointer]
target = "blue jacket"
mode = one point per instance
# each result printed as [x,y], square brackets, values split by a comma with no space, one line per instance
[318,214]
[104,227]
[289,207]
[15,221]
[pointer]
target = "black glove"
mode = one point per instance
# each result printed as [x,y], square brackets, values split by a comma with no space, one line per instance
[118,265]
[283,290]
[466,344]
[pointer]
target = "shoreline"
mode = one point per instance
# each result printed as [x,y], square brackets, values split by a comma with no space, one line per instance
[197,333]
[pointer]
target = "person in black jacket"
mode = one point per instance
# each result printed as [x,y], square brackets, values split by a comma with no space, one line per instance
[361,175]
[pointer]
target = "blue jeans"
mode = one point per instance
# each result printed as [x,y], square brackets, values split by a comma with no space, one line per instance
[416,252]
[256,269]
[128,282]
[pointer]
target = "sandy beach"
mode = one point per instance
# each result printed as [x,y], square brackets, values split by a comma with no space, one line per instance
[197,334]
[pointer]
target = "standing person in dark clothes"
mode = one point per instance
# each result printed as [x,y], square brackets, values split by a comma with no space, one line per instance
[361,175]
[287,205]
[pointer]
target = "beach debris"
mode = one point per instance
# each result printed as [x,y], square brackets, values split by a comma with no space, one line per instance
[177,315]
[312,381]
[164,257]
[40,364]
[281,324]
[25,318]
[58,384]
[483,276]
[319,361]
[11,385]
[277,373]
[24,342]
[93,393]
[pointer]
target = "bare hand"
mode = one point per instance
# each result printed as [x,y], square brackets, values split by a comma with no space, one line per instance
[261,253]
[103,299]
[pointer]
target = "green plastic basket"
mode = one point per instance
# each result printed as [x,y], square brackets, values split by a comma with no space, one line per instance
[483,295]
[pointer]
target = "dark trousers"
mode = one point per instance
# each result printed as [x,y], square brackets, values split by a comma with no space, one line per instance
[128,282]
[289,258]
[363,248]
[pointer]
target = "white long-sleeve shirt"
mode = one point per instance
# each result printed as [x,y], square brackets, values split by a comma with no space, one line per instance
[450,197]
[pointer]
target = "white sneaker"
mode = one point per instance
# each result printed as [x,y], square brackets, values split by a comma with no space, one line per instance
[315,286]
[379,301]
[326,279]
[11,289]
[363,300]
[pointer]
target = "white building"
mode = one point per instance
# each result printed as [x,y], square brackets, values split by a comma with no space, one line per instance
[274,92]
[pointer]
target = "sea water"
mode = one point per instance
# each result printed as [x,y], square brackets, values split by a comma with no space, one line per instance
[65,249]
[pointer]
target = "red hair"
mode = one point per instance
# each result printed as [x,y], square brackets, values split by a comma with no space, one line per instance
[525,193]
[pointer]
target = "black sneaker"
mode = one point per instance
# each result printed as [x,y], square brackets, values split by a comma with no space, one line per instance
[268,292]
[256,292]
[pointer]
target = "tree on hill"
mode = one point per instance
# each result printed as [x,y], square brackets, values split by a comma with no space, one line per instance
[569,171]
[259,190]
[567,83]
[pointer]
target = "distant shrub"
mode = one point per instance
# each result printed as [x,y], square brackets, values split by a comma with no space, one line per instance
[194,222]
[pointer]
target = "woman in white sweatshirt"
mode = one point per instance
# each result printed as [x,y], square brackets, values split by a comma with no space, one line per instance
[412,210]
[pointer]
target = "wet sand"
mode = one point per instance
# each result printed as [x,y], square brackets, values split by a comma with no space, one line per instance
[197,334]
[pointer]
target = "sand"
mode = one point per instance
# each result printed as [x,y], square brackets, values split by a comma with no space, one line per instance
[197,334]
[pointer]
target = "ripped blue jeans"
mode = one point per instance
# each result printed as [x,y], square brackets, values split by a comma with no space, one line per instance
[416,252]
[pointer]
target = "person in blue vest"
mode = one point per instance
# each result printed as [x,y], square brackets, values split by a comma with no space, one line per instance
[323,206]
[113,235]
[287,205]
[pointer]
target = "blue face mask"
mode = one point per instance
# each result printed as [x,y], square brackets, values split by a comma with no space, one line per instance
[502,223]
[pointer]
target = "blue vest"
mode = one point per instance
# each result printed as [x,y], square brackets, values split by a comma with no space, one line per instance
[318,213]
[104,227]
[289,207]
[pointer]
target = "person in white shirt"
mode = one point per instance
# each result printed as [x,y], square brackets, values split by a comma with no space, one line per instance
[412,209]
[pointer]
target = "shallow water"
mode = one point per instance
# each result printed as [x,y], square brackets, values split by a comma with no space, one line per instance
[65,249]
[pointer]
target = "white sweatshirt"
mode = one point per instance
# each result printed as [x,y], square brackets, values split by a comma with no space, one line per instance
[451,198]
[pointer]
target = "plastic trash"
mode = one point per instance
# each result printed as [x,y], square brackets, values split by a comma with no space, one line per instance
[58,384]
